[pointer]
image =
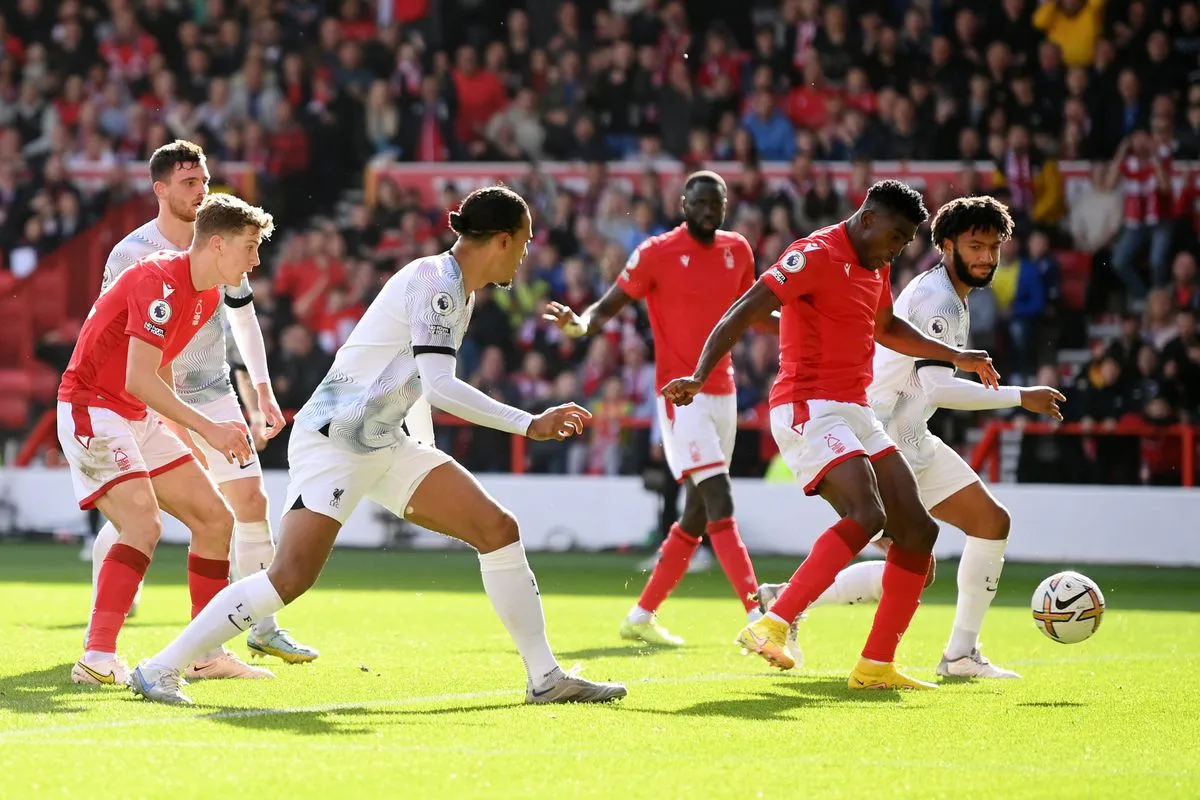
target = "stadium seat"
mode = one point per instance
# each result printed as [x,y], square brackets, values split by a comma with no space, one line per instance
[1076,273]
[46,293]
[16,334]
[16,387]
[44,381]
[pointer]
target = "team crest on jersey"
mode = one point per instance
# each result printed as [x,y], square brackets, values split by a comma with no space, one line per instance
[442,303]
[729,263]
[793,261]
[160,312]
[633,259]
[199,310]
[937,326]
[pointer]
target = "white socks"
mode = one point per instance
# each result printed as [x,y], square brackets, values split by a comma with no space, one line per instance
[253,552]
[861,582]
[978,577]
[234,609]
[513,592]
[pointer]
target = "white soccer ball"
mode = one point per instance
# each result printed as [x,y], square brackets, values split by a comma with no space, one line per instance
[1068,607]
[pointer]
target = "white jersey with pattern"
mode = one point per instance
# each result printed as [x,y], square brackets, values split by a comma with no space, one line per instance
[202,369]
[374,382]
[933,307]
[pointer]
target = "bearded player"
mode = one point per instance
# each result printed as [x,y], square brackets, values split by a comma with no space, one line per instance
[905,393]
[201,372]
[834,290]
[688,277]
[118,417]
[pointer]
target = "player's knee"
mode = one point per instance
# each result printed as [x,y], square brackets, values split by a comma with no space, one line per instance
[922,533]
[718,504]
[495,530]
[870,515]
[142,534]
[999,522]
[253,505]
[213,524]
[291,579]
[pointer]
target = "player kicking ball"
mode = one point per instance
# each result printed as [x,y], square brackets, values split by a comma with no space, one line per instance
[347,444]
[115,395]
[905,393]
[688,277]
[180,181]
[834,289]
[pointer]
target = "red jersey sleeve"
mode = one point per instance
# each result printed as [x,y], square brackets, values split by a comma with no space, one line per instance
[885,288]
[746,258]
[637,279]
[149,311]
[795,274]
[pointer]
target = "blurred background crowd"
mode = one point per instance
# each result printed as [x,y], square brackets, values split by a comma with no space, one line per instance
[1098,293]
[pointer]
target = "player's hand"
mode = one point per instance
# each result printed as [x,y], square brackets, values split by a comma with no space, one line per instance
[979,362]
[186,436]
[682,391]
[558,423]
[1043,400]
[567,320]
[231,439]
[270,420]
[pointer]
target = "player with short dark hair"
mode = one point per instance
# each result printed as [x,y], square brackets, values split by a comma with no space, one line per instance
[904,394]
[688,277]
[349,442]
[115,395]
[834,290]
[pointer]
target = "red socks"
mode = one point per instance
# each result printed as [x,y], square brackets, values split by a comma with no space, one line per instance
[116,586]
[735,561]
[206,577]
[830,554]
[903,579]
[676,552]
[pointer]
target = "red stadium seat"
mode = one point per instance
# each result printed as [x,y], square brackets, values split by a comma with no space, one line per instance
[15,389]
[44,381]
[16,334]
[1076,273]
[46,293]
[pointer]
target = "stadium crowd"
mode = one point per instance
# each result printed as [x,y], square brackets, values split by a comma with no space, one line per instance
[309,95]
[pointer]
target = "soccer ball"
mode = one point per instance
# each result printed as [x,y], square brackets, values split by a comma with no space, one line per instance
[1068,607]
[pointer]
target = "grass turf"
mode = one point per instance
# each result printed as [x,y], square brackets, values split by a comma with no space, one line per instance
[418,694]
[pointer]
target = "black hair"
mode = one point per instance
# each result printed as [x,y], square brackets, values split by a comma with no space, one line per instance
[488,211]
[898,198]
[964,214]
[178,153]
[705,176]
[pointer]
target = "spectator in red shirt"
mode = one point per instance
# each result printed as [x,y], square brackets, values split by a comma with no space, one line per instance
[1145,184]
[806,103]
[480,95]
[128,49]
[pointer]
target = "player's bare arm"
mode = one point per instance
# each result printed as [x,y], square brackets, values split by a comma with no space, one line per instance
[896,333]
[1043,400]
[755,304]
[143,381]
[593,318]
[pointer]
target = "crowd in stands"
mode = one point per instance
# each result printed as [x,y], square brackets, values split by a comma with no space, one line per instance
[309,93]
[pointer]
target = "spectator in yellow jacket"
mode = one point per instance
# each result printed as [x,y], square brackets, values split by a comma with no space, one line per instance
[1073,25]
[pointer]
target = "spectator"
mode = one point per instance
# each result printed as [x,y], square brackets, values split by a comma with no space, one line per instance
[1185,289]
[1073,25]
[299,366]
[637,378]
[1144,189]
[773,134]
[609,412]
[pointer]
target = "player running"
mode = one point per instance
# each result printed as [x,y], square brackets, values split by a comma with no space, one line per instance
[347,444]
[180,181]
[905,393]
[835,292]
[118,415]
[688,277]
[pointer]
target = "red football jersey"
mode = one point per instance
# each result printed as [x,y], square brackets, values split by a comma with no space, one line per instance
[153,300]
[688,287]
[827,324]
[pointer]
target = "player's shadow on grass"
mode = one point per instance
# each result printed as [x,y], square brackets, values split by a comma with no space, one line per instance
[788,696]
[1052,704]
[45,691]
[351,721]
[627,650]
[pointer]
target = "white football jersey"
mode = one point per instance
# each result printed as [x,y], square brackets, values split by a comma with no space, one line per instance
[933,307]
[374,382]
[202,369]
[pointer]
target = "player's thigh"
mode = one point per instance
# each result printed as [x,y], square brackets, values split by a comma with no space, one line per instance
[975,511]
[815,439]
[187,493]
[306,540]
[133,510]
[247,497]
[449,500]
[691,440]
[908,523]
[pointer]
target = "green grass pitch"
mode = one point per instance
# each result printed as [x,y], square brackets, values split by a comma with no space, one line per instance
[418,693]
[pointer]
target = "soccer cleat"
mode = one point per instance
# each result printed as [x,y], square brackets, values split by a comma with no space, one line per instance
[226,665]
[869,675]
[768,638]
[158,685]
[105,672]
[974,665]
[766,596]
[280,644]
[650,632]
[568,687]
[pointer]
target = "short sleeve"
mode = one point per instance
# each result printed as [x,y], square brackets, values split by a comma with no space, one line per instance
[938,315]
[795,273]
[151,312]
[240,295]
[437,311]
[637,279]
[746,261]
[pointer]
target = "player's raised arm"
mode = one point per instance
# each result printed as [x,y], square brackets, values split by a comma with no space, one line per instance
[594,317]
[896,333]
[755,304]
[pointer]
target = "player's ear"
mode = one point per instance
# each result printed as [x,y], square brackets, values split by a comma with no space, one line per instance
[867,218]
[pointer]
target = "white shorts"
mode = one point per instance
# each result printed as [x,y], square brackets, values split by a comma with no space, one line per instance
[698,438]
[816,436]
[104,449]
[225,409]
[941,472]
[331,481]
